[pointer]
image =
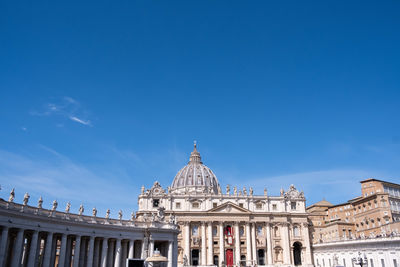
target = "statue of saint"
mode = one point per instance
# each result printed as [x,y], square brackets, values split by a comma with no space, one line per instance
[68,207]
[244,191]
[81,209]
[235,191]
[142,191]
[12,195]
[265,192]
[55,204]
[251,191]
[108,214]
[172,219]
[26,199]
[161,213]
[40,202]
[132,216]
[282,192]
[120,215]
[94,212]
[228,189]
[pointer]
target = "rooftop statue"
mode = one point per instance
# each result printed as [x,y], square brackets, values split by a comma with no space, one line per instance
[12,195]
[26,199]
[94,212]
[108,214]
[120,215]
[244,191]
[81,209]
[40,202]
[55,204]
[235,191]
[68,207]
[228,189]
[251,191]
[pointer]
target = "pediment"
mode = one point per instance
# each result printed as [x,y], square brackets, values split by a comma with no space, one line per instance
[228,207]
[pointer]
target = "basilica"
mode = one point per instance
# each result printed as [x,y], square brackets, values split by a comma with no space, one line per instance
[234,227]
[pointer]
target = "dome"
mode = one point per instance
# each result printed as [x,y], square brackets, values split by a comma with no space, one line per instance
[195,177]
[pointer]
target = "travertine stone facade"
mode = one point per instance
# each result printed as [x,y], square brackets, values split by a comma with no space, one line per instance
[234,227]
[33,237]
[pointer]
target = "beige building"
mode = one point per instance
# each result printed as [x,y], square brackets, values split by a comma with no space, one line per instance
[373,214]
[234,227]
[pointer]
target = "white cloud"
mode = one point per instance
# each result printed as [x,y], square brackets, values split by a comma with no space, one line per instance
[66,107]
[73,118]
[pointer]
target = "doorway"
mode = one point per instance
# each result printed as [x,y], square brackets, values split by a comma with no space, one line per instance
[229,257]
[297,253]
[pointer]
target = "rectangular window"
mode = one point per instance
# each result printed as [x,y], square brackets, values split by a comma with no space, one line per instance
[274,207]
[241,205]
[214,205]
[195,205]
[258,206]
[178,205]
[383,262]
[156,203]
[293,205]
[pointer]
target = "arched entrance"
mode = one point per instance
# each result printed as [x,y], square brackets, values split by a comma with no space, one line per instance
[195,257]
[297,253]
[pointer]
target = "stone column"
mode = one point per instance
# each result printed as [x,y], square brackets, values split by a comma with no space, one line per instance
[47,252]
[269,244]
[151,248]
[210,244]
[83,252]
[69,252]
[90,252]
[254,243]
[286,244]
[63,250]
[3,245]
[142,254]
[77,250]
[118,253]
[248,244]
[237,244]
[221,244]
[17,251]
[203,244]
[186,232]
[96,257]
[306,236]
[170,248]
[33,249]
[104,252]
[131,249]
[110,255]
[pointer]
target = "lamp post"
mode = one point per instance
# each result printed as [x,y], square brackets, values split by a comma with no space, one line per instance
[362,261]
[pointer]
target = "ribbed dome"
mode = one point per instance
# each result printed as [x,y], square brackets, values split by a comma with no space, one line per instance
[195,177]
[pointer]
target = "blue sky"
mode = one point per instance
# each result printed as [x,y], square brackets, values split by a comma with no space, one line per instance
[98,98]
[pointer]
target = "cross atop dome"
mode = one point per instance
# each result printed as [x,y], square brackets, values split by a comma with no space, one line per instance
[195,155]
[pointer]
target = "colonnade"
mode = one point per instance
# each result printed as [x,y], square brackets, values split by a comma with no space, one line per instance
[251,242]
[33,248]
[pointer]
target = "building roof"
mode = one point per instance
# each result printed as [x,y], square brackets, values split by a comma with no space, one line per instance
[322,203]
[376,180]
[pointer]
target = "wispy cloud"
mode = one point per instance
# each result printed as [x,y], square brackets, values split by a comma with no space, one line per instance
[65,107]
[84,122]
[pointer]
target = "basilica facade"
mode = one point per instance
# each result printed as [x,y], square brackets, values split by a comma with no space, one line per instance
[234,227]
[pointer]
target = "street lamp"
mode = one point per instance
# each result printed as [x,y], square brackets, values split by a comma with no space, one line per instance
[360,260]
